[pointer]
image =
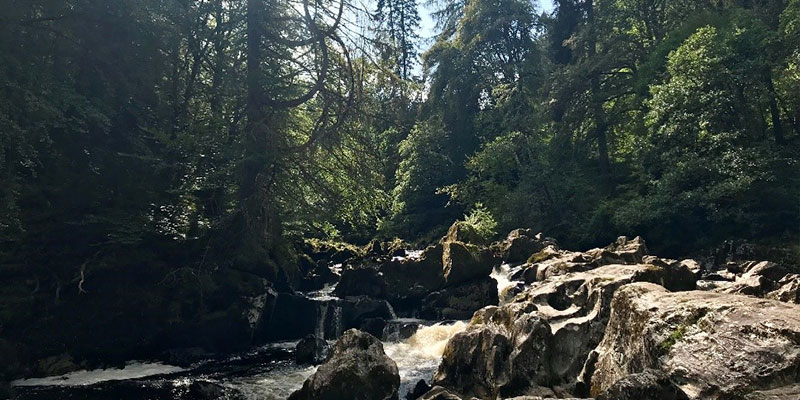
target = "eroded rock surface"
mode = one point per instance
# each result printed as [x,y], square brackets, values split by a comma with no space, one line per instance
[539,341]
[711,345]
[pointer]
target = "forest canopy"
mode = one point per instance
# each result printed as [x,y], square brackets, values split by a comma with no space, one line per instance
[229,129]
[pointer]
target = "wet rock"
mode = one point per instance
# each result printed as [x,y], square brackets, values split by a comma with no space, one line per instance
[357,369]
[399,330]
[13,360]
[419,390]
[646,385]
[318,276]
[311,350]
[711,345]
[464,262]
[461,301]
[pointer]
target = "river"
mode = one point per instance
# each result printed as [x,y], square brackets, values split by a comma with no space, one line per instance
[265,373]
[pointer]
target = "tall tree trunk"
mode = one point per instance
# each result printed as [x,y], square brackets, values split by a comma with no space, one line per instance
[261,226]
[777,129]
[600,131]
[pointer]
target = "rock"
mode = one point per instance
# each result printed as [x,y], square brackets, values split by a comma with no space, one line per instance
[419,390]
[693,266]
[463,232]
[440,393]
[12,356]
[373,326]
[396,331]
[357,369]
[503,351]
[311,350]
[184,357]
[767,269]
[788,392]
[518,246]
[319,275]
[357,309]
[622,251]
[788,289]
[57,365]
[753,285]
[646,385]
[711,345]
[283,322]
[460,302]
[464,262]
[545,334]
[409,280]
[361,281]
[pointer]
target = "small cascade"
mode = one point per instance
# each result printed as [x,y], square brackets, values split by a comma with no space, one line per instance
[502,274]
[419,356]
[410,254]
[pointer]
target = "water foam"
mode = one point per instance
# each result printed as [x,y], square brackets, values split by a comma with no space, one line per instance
[132,370]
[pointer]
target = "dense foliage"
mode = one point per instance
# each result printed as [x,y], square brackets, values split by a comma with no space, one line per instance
[209,132]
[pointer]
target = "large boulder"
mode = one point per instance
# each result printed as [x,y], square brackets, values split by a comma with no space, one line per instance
[408,279]
[363,280]
[503,351]
[463,262]
[357,369]
[544,335]
[711,345]
[461,301]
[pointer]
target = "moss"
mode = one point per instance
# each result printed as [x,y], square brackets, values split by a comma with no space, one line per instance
[543,255]
[676,335]
[666,345]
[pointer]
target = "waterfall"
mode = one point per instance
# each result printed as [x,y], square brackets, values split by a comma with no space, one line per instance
[502,274]
[322,312]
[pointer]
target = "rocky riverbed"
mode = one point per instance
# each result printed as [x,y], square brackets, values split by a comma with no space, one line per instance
[516,319]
